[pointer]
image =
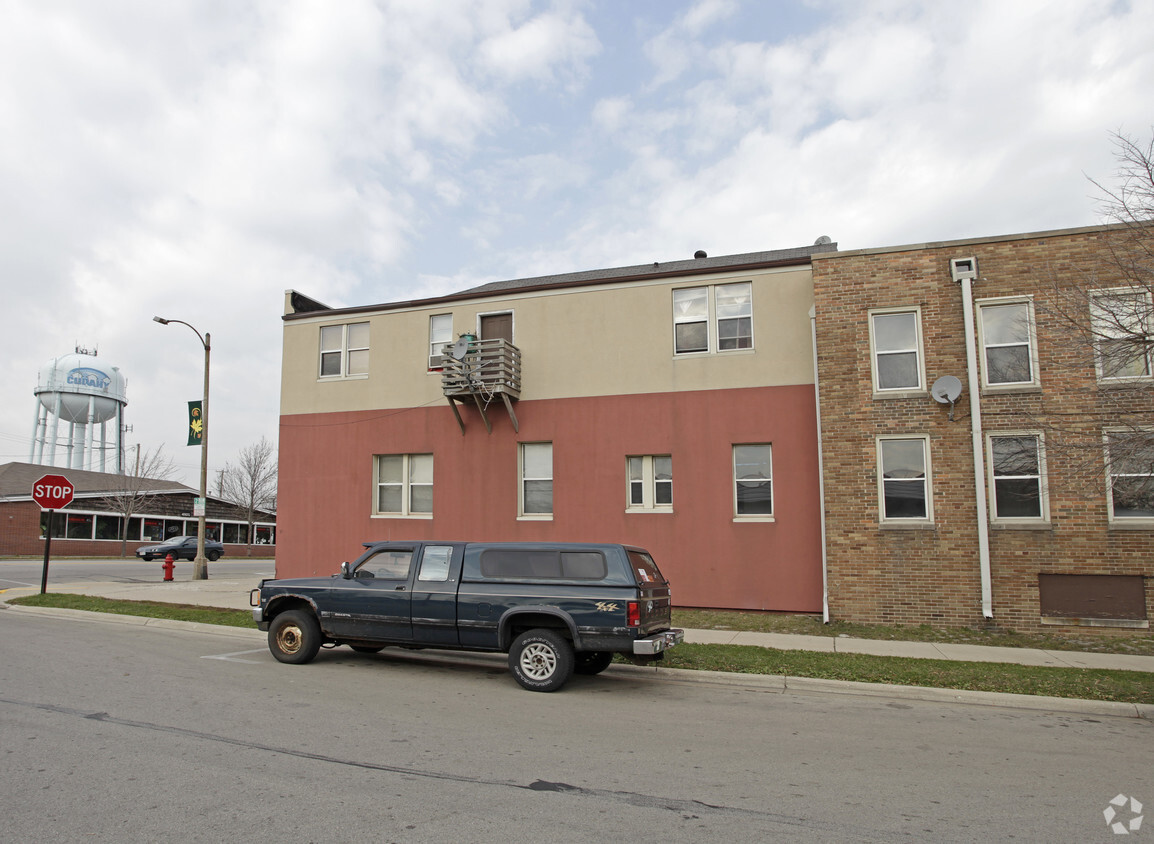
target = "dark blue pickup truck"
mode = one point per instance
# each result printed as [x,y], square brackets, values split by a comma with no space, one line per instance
[555,609]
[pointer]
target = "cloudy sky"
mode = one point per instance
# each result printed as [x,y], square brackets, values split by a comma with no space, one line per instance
[196,159]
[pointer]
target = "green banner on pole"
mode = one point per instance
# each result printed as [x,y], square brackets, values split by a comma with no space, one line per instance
[195,424]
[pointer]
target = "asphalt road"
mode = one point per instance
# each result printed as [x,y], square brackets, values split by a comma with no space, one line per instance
[14,573]
[112,732]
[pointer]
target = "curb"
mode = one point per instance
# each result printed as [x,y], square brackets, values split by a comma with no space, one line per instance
[762,682]
[783,684]
[134,620]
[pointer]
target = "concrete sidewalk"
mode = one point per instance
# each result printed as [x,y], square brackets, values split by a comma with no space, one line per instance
[234,594]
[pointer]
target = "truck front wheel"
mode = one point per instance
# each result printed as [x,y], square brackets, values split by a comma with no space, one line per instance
[294,637]
[541,660]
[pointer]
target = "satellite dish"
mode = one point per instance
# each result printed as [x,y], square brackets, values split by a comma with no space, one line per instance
[946,389]
[460,349]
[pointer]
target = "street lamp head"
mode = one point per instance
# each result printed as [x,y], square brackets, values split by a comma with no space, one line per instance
[161,320]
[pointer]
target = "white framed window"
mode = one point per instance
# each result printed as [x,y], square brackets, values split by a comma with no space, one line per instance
[905,495]
[1008,342]
[896,351]
[536,487]
[1017,477]
[650,483]
[440,335]
[1122,322]
[1130,476]
[715,318]
[404,485]
[753,481]
[344,350]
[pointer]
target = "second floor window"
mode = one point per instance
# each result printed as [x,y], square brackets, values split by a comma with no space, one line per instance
[344,350]
[440,335]
[718,318]
[896,345]
[1121,322]
[1007,343]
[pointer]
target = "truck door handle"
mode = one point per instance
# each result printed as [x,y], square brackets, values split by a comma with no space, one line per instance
[399,588]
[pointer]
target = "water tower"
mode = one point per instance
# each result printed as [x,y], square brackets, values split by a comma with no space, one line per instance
[75,389]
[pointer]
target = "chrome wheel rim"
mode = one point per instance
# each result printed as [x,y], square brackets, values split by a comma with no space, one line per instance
[538,661]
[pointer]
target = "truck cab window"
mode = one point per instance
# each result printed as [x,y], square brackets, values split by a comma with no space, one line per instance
[388,565]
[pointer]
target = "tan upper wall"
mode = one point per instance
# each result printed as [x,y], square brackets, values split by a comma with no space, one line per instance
[608,339]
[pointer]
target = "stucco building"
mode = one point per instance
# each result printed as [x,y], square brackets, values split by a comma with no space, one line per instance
[668,405]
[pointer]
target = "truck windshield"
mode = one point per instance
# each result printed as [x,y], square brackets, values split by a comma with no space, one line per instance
[645,569]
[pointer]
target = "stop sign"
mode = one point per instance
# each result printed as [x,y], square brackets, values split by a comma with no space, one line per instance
[52,492]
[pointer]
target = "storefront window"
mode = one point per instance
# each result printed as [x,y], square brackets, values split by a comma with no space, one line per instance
[108,527]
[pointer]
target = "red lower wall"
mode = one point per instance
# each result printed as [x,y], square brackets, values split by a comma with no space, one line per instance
[325,495]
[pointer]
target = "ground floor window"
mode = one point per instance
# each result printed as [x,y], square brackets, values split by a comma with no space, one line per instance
[753,479]
[1130,474]
[103,526]
[1016,466]
[404,484]
[904,479]
[536,491]
[650,483]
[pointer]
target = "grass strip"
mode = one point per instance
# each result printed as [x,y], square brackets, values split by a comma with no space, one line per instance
[1139,642]
[147,609]
[1082,683]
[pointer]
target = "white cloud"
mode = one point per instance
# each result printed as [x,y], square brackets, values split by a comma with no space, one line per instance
[545,48]
[195,160]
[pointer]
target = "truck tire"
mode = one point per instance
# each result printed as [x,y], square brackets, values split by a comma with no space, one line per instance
[592,662]
[541,660]
[294,637]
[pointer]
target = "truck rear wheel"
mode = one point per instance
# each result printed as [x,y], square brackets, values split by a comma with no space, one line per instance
[541,660]
[592,662]
[294,637]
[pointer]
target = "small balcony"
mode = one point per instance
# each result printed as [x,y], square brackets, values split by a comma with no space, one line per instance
[484,370]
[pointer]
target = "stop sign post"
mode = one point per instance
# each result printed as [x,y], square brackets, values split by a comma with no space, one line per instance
[51,492]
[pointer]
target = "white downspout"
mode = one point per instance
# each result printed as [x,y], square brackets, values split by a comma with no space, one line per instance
[820,469]
[965,271]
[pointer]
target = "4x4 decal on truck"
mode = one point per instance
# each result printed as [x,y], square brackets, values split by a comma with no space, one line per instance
[605,606]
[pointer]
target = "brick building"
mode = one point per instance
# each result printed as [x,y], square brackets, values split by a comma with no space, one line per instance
[1052,525]
[90,525]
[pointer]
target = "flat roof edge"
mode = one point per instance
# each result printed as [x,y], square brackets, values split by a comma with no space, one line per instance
[969,241]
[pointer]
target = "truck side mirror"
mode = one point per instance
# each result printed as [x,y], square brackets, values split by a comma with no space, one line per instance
[345,573]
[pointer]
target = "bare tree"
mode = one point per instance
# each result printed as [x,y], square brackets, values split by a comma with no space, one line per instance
[1100,315]
[251,484]
[138,488]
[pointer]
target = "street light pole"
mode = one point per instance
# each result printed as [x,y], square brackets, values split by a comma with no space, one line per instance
[200,564]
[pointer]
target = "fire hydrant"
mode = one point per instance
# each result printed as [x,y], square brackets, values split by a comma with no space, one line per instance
[168,566]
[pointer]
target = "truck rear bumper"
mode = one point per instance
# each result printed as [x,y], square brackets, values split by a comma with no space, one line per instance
[658,643]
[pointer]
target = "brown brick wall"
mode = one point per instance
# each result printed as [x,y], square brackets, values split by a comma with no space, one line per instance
[931,575]
[20,537]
